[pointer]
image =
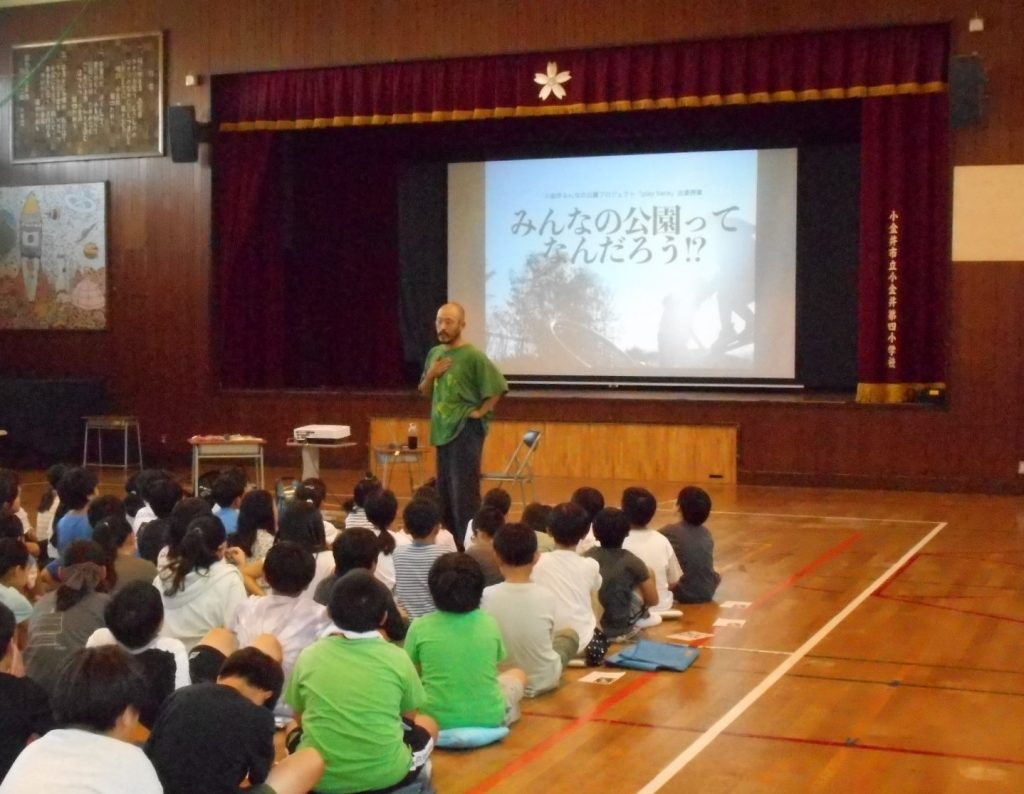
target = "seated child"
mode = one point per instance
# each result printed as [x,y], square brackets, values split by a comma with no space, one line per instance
[487,521]
[574,580]
[295,622]
[75,488]
[212,736]
[114,534]
[497,498]
[227,494]
[444,539]
[49,510]
[627,586]
[104,506]
[302,523]
[525,612]
[63,620]
[414,560]
[592,502]
[357,694]
[694,548]
[138,496]
[538,518]
[178,522]
[355,508]
[19,572]
[315,490]
[10,504]
[200,589]
[14,562]
[134,617]
[457,650]
[358,549]
[162,494]
[96,702]
[649,545]
[255,529]
[381,509]
[24,704]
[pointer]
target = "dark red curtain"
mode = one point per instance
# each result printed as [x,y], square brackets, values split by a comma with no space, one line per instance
[904,246]
[794,67]
[306,281]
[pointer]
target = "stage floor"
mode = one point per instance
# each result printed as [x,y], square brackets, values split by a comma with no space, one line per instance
[875,646]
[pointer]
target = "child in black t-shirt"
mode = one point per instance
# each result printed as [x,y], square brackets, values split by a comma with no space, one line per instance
[24,704]
[212,736]
[627,586]
[694,548]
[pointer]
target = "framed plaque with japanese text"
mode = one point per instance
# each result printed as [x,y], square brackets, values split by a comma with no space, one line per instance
[88,99]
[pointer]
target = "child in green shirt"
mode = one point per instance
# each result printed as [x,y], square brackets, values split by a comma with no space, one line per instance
[458,649]
[355,695]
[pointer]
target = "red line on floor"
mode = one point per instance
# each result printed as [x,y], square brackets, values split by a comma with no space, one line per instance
[808,569]
[538,750]
[855,745]
[949,609]
[852,745]
[896,575]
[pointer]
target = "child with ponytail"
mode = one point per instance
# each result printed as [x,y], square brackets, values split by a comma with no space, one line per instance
[201,590]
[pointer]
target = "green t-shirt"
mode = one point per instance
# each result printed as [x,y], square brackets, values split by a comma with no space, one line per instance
[458,655]
[351,694]
[471,380]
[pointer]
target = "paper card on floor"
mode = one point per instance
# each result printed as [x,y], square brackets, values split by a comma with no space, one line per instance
[689,636]
[735,604]
[727,622]
[601,677]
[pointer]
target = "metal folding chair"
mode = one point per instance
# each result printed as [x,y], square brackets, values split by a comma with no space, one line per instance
[519,468]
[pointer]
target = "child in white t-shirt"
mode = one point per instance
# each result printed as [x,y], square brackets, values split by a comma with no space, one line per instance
[650,545]
[296,622]
[574,580]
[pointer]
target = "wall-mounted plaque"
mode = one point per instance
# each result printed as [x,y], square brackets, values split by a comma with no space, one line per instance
[88,99]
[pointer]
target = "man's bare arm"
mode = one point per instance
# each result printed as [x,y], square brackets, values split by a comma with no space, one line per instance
[485,407]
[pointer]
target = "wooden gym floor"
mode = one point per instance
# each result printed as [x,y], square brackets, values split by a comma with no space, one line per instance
[879,650]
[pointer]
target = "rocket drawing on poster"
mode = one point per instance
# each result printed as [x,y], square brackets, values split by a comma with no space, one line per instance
[53,257]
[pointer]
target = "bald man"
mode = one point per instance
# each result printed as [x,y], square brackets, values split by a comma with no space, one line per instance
[464,386]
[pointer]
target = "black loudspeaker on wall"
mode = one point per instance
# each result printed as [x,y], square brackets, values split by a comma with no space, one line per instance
[967,84]
[183,133]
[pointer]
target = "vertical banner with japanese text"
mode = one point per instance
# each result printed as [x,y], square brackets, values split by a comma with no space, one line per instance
[904,248]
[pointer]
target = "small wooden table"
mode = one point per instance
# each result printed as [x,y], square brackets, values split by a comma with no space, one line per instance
[389,456]
[234,447]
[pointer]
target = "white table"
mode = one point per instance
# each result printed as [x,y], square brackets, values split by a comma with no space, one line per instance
[226,447]
[311,453]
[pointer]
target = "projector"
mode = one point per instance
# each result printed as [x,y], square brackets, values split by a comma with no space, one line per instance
[322,433]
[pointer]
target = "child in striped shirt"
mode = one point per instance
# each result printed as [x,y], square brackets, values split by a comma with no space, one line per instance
[414,560]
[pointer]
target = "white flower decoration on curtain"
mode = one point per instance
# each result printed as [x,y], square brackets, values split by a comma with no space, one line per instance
[552,81]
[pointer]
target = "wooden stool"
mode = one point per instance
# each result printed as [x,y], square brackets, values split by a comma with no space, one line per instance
[121,424]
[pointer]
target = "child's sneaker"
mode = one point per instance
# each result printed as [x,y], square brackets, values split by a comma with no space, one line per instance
[650,621]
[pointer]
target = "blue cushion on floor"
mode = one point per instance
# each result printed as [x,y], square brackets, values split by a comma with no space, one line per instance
[465,738]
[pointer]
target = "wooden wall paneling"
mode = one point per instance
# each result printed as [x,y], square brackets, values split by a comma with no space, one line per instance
[642,453]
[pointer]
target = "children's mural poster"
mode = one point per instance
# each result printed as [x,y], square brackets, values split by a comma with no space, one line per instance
[53,257]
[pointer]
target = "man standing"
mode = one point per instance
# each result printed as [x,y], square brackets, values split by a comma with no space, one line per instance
[464,386]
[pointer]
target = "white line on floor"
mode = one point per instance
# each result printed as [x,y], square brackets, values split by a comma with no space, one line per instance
[712,733]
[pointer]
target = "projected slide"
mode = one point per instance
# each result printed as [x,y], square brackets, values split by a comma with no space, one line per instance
[660,266]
